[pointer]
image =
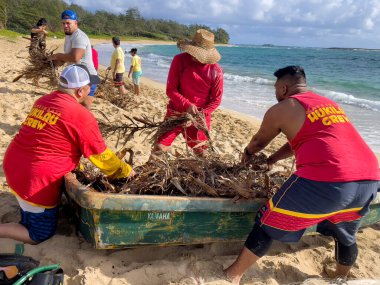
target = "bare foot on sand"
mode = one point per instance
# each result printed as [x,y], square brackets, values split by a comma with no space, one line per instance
[235,280]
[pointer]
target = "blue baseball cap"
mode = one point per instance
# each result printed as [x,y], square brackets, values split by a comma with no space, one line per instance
[69,15]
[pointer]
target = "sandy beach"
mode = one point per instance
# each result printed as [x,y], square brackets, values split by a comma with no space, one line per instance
[231,131]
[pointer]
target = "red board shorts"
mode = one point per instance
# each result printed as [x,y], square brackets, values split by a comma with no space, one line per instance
[336,208]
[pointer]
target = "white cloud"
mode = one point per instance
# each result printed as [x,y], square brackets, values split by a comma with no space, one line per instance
[175,4]
[311,17]
[278,21]
[260,10]
[369,24]
[219,9]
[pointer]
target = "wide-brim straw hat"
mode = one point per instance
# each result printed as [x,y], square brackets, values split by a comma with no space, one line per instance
[201,47]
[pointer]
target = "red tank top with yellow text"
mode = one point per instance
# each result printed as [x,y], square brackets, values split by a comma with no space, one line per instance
[328,147]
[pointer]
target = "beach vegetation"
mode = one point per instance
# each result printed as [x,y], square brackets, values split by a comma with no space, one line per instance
[9,34]
[21,15]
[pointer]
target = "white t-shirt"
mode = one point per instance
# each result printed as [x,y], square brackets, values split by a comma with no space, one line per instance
[79,39]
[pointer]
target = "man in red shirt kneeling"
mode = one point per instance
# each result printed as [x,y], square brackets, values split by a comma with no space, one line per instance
[56,133]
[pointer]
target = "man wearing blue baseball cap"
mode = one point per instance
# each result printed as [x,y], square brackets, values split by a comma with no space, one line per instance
[77,48]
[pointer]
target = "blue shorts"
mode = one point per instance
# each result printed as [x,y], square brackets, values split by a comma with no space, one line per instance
[335,207]
[93,89]
[136,77]
[40,226]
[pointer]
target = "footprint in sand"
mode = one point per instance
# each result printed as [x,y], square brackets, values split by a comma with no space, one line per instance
[10,129]
[10,217]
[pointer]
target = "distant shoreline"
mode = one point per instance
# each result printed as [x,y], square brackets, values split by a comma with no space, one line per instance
[286,46]
[365,49]
[142,40]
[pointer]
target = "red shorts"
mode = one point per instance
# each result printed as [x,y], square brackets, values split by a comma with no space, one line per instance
[192,135]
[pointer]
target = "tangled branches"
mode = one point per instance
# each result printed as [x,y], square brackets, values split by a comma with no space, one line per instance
[40,67]
[211,176]
[106,90]
[150,127]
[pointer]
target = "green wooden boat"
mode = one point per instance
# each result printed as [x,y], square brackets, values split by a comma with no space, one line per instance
[119,220]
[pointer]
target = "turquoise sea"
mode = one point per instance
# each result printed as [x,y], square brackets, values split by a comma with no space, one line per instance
[348,76]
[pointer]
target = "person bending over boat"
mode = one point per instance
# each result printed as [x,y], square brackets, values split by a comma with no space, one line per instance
[56,133]
[337,175]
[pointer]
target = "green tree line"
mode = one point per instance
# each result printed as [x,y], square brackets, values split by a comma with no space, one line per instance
[21,15]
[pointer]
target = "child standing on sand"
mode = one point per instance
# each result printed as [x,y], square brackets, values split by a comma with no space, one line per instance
[136,69]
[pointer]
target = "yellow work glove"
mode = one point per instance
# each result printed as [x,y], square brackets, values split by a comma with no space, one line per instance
[111,165]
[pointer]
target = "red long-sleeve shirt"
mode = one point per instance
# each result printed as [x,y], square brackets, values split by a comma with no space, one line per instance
[190,82]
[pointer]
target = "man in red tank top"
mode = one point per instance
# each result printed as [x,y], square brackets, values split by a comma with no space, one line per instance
[331,187]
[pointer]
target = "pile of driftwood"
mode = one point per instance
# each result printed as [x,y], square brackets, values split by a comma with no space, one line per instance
[38,67]
[107,90]
[182,175]
[178,175]
[150,127]
[211,176]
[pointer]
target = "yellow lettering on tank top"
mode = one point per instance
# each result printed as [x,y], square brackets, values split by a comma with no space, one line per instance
[326,121]
[334,119]
[341,119]
[328,113]
[320,112]
[313,117]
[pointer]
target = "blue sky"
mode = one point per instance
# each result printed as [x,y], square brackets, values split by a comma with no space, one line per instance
[315,23]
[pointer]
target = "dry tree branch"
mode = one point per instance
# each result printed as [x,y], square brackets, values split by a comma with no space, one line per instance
[40,67]
[213,176]
[107,90]
[149,127]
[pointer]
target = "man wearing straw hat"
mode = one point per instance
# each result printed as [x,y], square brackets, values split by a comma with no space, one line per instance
[194,86]
[56,133]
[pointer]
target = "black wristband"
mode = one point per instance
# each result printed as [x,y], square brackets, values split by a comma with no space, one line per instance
[246,152]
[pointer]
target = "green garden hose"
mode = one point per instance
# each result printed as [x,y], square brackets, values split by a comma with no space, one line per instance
[35,271]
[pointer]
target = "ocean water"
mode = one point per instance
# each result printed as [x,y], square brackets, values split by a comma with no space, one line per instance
[350,77]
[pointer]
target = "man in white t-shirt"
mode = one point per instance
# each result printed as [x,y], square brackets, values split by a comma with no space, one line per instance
[77,48]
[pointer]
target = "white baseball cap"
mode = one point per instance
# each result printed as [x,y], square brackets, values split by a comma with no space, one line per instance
[76,76]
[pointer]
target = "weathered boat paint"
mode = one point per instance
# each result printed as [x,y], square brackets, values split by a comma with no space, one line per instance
[121,220]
